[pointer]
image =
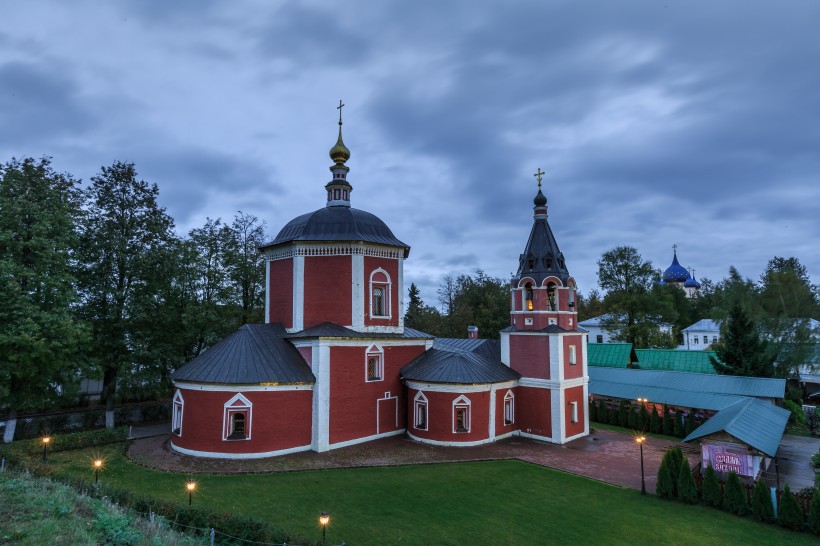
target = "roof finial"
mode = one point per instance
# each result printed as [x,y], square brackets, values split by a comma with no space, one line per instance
[339,153]
[540,199]
[538,175]
[675,249]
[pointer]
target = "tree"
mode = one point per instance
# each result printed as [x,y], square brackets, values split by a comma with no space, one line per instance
[741,350]
[676,463]
[589,306]
[623,415]
[633,312]
[687,490]
[603,412]
[791,515]
[421,316]
[677,428]
[643,419]
[125,235]
[246,268]
[690,424]
[39,336]
[668,425]
[593,411]
[814,514]
[710,490]
[633,418]
[734,496]
[786,290]
[663,487]
[655,421]
[762,507]
[813,421]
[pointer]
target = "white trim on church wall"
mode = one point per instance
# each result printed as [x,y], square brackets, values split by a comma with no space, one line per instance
[400,292]
[491,420]
[556,358]
[505,349]
[357,291]
[267,291]
[387,294]
[229,409]
[241,388]
[321,397]
[298,293]
[549,384]
[328,249]
[366,439]
[452,444]
[219,455]
[453,388]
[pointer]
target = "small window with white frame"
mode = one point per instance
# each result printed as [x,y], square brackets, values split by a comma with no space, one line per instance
[420,411]
[573,355]
[380,294]
[509,408]
[599,338]
[461,414]
[236,419]
[574,409]
[176,417]
[374,363]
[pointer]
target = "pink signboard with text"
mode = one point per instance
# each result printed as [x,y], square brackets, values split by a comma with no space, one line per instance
[724,459]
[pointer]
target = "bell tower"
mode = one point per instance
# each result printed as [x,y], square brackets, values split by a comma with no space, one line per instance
[542,342]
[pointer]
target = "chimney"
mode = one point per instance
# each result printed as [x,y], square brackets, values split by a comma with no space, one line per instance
[472,332]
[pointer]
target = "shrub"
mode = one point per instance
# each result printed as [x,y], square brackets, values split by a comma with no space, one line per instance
[690,425]
[643,419]
[762,507]
[668,423]
[663,487]
[676,462]
[813,420]
[814,514]
[815,460]
[603,413]
[633,419]
[791,515]
[677,427]
[593,411]
[710,490]
[687,491]
[655,422]
[623,416]
[734,496]
[797,416]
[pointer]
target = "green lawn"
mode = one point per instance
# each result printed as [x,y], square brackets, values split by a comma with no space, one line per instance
[502,502]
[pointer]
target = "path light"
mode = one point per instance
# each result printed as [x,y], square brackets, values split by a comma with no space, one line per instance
[641,440]
[46,440]
[97,466]
[190,486]
[324,519]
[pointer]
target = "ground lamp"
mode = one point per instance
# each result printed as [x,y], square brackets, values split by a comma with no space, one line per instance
[324,519]
[46,440]
[641,440]
[97,466]
[190,486]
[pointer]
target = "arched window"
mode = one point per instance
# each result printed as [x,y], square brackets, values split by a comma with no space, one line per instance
[551,297]
[380,287]
[528,296]
[176,417]
[461,414]
[374,363]
[236,418]
[509,408]
[571,287]
[420,411]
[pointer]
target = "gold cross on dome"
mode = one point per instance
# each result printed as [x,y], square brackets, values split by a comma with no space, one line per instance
[538,175]
[674,248]
[339,108]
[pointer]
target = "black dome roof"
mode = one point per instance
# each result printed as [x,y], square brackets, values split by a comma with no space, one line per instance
[338,224]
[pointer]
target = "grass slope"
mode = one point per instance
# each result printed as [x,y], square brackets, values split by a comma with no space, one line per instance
[500,502]
[37,511]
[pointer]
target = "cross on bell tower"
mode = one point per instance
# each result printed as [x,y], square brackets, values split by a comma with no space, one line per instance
[339,189]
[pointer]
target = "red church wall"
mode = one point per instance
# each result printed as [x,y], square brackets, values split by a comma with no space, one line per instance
[575,394]
[529,355]
[577,370]
[500,427]
[392,268]
[440,416]
[280,420]
[328,290]
[280,292]
[354,400]
[533,411]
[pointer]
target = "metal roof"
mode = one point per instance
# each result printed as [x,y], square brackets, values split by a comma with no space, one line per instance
[255,353]
[596,321]
[328,329]
[462,361]
[541,257]
[704,325]
[753,422]
[615,355]
[338,224]
[675,360]
[691,390]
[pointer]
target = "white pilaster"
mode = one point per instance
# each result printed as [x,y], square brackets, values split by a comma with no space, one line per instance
[267,290]
[556,363]
[357,292]
[491,420]
[321,397]
[400,289]
[298,293]
[556,410]
[505,348]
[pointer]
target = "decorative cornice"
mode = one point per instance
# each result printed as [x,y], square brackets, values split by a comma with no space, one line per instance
[335,250]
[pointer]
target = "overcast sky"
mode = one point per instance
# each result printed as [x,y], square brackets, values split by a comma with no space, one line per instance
[658,123]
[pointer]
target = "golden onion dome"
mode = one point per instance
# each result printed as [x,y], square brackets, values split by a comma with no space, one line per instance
[339,153]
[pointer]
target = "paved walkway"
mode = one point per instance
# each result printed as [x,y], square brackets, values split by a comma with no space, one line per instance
[608,456]
[794,462]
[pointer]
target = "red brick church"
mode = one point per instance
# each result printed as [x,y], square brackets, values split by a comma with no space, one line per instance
[334,365]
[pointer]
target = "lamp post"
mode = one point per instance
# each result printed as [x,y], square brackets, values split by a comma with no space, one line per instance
[190,486]
[46,440]
[641,440]
[97,466]
[324,519]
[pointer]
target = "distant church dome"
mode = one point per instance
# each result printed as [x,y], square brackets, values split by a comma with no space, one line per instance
[691,282]
[675,272]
